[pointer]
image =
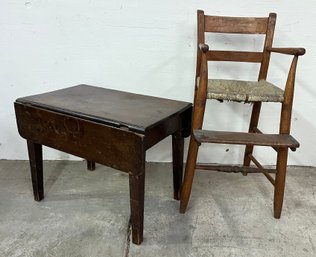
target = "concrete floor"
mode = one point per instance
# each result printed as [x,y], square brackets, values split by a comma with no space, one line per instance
[86,214]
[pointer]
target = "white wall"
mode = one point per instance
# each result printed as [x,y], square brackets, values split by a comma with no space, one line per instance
[147,47]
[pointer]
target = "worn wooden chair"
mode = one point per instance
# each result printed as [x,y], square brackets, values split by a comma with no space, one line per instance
[254,92]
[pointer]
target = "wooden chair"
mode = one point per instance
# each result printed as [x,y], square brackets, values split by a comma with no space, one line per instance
[254,92]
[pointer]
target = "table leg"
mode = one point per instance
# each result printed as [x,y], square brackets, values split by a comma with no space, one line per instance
[36,163]
[137,187]
[90,165]
[177,156]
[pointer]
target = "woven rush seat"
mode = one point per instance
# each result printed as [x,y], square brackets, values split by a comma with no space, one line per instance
[244,91]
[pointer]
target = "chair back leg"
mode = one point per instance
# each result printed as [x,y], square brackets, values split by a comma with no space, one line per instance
[254,120]
[189,174]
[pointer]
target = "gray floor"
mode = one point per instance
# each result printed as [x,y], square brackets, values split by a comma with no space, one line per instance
[86,214]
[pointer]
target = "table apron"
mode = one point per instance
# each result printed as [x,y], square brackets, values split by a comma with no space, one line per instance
[179,122]
[110,146]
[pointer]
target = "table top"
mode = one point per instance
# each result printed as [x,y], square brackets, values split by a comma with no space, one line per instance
[107,106]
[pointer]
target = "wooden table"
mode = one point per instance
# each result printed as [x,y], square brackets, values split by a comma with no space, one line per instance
[105,126]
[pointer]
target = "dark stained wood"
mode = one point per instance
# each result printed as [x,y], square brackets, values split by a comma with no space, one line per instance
[137,195]
[242,138]
[234,56]
[186,122]
[177,160]
[96,142]
[105,126]
[136,112]
[36,164]
[90,165]
[244,25]
[178,121]
[137,186]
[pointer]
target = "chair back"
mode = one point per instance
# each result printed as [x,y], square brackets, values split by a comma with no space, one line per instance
[237,25]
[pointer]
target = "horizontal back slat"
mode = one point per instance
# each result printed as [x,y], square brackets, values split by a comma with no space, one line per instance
[221,24]
[234,56]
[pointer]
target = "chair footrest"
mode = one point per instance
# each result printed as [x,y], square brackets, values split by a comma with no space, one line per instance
[242,138]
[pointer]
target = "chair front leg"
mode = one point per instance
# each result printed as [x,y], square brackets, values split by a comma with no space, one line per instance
[280,181]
